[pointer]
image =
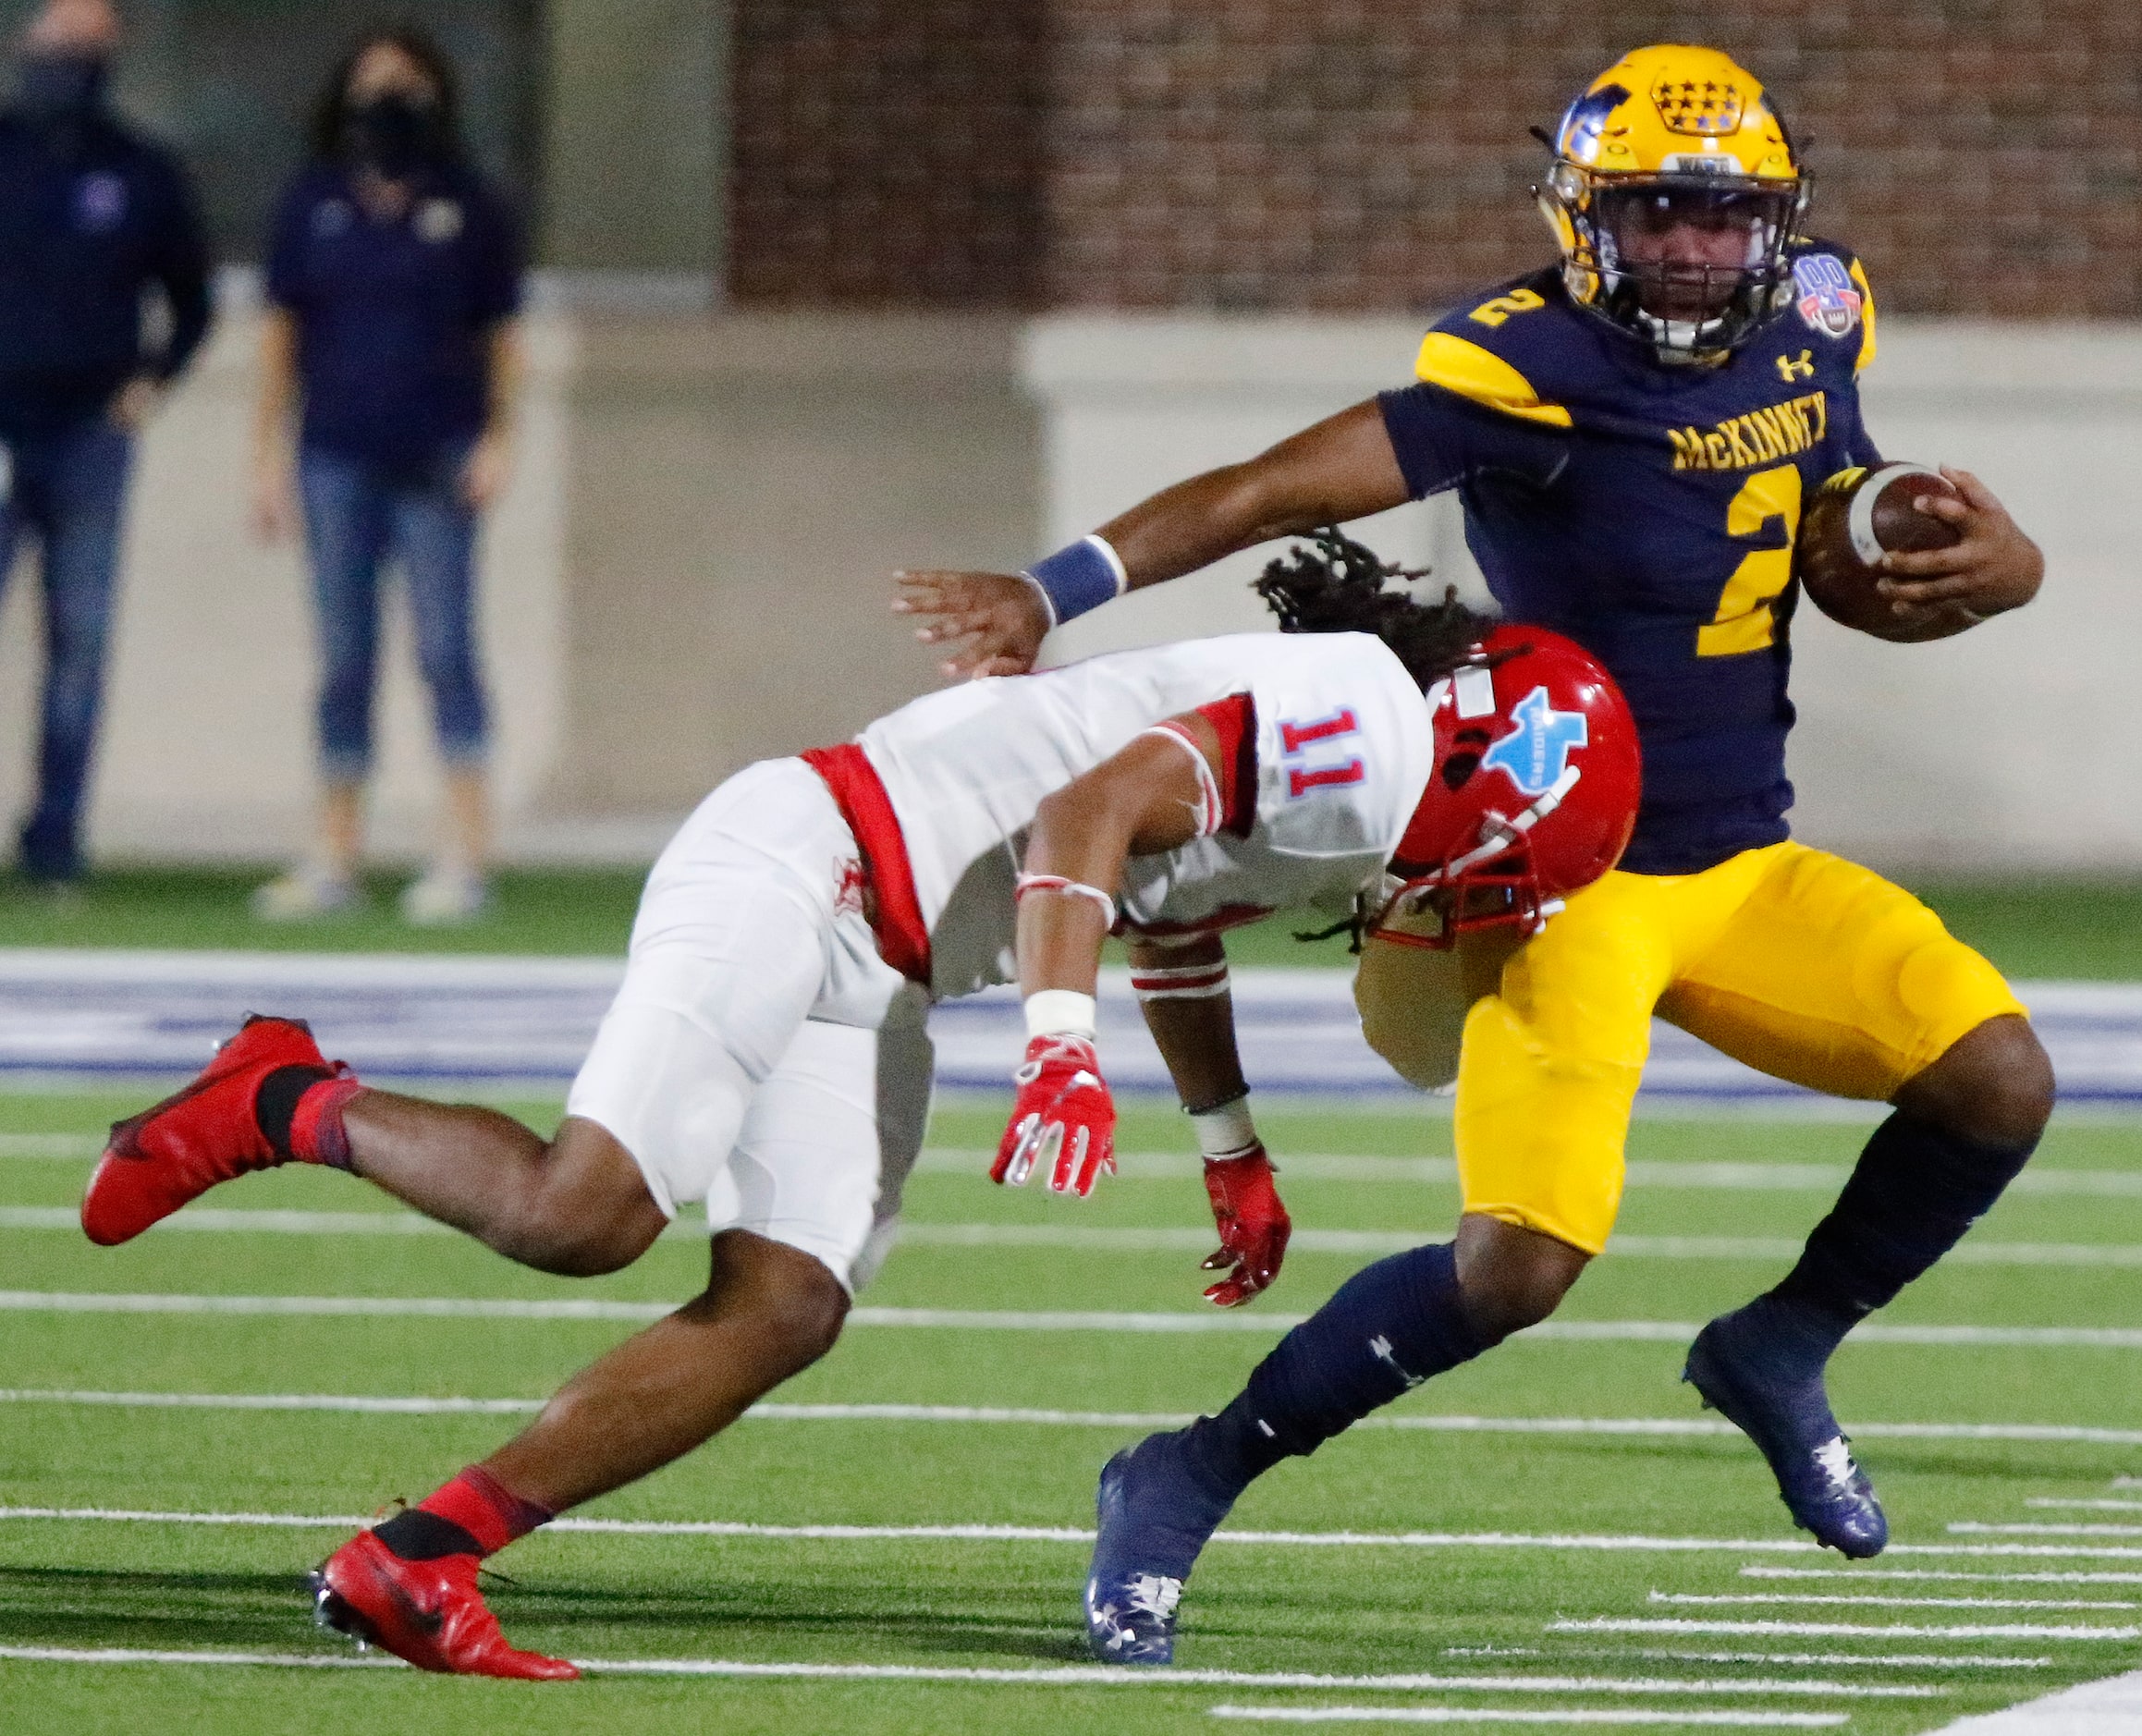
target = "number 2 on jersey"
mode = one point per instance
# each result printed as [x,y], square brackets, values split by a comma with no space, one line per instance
[1492,313]
[1746,617]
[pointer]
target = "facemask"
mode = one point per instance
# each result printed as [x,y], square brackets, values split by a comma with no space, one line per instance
[393,134]
[57,86]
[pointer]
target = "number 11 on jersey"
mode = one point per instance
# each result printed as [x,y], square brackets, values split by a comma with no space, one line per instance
[1296,739]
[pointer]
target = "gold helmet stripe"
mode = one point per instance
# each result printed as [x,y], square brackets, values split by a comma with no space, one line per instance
[1479,374]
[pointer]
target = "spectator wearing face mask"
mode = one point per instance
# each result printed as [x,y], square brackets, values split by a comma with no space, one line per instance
[390,369]
[94,220]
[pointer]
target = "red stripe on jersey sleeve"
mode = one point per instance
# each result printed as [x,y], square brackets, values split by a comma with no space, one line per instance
[1234,720]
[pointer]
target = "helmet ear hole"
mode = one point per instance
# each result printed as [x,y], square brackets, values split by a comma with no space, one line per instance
[1458,769]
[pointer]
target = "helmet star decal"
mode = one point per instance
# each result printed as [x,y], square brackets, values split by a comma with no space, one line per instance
[1698,106]
[1536,754]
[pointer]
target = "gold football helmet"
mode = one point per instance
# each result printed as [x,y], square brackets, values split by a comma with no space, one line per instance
[1673,194]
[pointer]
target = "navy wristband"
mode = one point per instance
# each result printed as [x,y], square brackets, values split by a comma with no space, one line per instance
[1076,580]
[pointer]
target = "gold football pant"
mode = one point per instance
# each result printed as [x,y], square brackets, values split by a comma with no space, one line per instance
[1801,964]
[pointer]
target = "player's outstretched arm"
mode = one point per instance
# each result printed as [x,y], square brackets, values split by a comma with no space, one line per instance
[1993,568]
[1149,797]
[985,623]
[1182,991]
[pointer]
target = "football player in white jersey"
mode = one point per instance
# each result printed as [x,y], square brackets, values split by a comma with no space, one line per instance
[766,1052]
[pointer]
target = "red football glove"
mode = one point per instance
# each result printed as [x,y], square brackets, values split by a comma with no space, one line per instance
[1064,1118]
[1253,1226]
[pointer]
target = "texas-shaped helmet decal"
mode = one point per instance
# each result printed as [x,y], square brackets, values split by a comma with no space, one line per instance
[1534,754]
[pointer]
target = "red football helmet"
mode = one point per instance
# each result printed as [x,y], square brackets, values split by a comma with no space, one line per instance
[1534,793]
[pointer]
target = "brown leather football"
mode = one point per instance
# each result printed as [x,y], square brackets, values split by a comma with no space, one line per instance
[1856,517]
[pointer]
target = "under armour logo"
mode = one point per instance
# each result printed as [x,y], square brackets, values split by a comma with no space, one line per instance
[1793,372]
[1379,1347]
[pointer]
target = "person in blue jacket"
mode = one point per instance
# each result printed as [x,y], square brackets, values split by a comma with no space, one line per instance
[94,221]
[390,367]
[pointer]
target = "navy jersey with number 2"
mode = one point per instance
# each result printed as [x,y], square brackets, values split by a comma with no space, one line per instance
[1648,512]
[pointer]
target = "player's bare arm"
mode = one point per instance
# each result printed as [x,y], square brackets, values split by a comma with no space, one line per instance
[1993,568]
[1182,991]
[1150,798]
[1141,802]
[1145,799]
[1341,469]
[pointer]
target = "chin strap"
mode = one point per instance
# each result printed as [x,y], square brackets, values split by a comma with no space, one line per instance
[1498,837]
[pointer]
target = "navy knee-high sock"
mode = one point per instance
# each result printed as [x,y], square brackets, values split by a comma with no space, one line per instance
[1389,1327]
[1915,1192]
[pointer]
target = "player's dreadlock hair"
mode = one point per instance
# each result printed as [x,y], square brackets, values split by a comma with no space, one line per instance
[1337,586]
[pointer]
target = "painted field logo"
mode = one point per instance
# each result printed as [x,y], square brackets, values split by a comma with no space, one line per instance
[1536,754]
[1829,299]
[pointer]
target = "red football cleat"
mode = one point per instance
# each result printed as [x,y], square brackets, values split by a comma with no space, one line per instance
[181,1148]
[428,1613]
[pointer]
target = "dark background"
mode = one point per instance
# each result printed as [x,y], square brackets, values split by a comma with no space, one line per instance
[1282,155]
[231,83]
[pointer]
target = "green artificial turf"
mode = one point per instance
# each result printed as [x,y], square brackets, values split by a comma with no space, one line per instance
[1447,1611]
[550,911]
[2032,929]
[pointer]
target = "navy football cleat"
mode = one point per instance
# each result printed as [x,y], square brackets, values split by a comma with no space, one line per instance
[1790,1419]
[1153,1517]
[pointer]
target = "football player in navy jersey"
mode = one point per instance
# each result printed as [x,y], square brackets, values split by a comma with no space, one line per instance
[1633,432]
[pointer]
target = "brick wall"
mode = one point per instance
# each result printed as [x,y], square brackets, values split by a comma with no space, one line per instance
[886,152]
[1984,155]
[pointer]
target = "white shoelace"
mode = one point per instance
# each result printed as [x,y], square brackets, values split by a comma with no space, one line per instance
[1835,1459]
[1153,1594]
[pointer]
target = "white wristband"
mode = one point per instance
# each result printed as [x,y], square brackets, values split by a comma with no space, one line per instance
[1225,1132]
[1059,1012]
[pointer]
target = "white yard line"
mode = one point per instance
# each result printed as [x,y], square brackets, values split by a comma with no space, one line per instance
[2094,1505]
[1939,1574]
[106,1655]
[964,1415]
[44,1147]
[1643,1176]
[1849,1660]
[1564,1719]
[1841,1630]
[1050,1534]
[212,1220]
[1003,1320]
[1876,1600]
[352,1403]
[1978,1528]
[962,1533]
[1876,1660]
[1073,1676]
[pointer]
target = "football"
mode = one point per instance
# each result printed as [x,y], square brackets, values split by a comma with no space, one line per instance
[1856,517]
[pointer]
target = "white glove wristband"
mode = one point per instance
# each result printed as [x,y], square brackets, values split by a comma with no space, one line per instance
[1059,1012]
[1227,1131]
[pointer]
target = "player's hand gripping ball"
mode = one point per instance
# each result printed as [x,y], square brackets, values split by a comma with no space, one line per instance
[1253,1226]
[1064,1119]
[1857,517]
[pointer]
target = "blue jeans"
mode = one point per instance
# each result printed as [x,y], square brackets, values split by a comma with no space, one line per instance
[358,516]
[68,490]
